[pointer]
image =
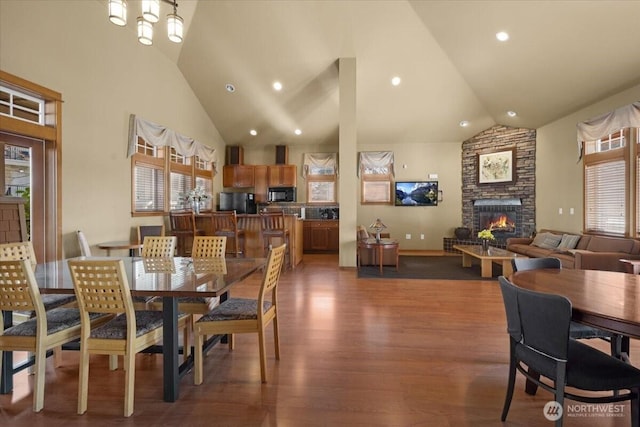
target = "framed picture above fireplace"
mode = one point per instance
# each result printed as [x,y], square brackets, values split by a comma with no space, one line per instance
[497,167]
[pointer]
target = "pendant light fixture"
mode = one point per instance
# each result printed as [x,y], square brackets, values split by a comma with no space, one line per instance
[145,31]
[150,15]
[118,12]
[175,25]
[151,10]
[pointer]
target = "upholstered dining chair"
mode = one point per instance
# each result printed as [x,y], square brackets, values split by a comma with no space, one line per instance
[85,249]
[101,286]
[47,329]
[225,223]
[273,227]
[149,230]
[538,326]
[241,315]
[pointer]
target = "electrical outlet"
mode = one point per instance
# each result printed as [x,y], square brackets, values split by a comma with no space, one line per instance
[422,237]
[571,211]
[408,236]
[559,211]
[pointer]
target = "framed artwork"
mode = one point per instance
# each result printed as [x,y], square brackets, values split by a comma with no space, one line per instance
[376,192]
[497,167]
[321,192]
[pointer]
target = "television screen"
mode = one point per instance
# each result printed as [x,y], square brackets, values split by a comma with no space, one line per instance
[416,193]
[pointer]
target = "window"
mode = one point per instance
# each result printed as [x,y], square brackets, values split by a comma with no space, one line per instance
[376,176]
[148,178]
[21,106]
[321,171]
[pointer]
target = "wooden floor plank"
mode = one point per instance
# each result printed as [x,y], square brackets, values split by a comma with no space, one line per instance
[354,352]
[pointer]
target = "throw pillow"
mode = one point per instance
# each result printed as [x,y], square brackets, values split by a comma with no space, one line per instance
[569,241]
[547,240]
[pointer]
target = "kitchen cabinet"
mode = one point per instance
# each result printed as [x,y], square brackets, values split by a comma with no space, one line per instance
[282,175]
[321,236]
[261,183]
[238,176]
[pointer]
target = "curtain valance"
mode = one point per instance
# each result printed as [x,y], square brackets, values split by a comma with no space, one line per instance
[605,124]
[161,136]
[376,163]
[327,162]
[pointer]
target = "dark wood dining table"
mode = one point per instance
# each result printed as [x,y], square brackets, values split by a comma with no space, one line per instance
[608,300]
[184,277]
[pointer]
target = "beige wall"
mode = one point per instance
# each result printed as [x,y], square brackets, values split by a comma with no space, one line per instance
[104,75]
[558,171]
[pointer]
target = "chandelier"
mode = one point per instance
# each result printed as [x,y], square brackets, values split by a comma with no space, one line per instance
[150,15]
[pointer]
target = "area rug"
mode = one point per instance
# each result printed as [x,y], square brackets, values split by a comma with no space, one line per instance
[429,267]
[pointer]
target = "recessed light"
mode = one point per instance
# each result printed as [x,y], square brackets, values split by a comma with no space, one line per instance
[277,86]
[464,124]
[502,36]
[253,132]
[511,113]
[230,88]
[297,132]
[396,81]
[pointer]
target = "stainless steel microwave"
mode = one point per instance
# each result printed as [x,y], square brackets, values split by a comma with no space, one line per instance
[282,194]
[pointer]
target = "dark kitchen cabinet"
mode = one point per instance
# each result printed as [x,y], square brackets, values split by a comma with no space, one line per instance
[321,236]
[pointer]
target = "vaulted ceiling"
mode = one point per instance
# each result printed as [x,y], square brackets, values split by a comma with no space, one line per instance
[561,56]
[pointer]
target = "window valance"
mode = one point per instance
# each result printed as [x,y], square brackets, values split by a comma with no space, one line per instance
[605,124]
[376,163]
[161,136]
[320,164]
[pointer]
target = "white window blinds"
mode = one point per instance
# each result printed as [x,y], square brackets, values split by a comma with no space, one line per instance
[605,210]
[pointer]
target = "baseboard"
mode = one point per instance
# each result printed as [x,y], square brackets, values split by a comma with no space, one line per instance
[419,252]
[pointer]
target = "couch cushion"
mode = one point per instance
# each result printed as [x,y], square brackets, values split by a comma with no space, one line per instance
[547,240]
[569,241]
[610,244]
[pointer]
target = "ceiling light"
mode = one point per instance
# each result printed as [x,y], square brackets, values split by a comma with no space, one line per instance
[396,81]
[502,36]
[464,124]
[297,132]
[230,88]
[145,31]
[511,113]
[277,86]
[253,132]
[175,25]
[151,10]
[118,12]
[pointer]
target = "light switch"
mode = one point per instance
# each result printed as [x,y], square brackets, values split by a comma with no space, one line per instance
[571,211]
[559,211]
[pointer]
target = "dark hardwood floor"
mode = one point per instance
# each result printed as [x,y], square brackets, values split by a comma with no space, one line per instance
[354,352]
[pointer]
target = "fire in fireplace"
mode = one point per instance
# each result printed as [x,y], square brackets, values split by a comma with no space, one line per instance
[502,216]
[497,221]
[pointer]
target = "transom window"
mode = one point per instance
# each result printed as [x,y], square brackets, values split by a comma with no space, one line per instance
[21,106]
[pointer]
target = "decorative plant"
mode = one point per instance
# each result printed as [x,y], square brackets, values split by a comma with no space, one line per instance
[486,234]
[26,195]
[195,195]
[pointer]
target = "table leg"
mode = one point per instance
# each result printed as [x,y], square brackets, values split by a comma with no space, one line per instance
[6,375]
[507,268]
[380,254]
[486,269]
[170,349]
[466,260]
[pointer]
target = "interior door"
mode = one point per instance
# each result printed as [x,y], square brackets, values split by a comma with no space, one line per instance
[23,175]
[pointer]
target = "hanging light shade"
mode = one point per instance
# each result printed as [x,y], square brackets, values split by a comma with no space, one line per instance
[118,12]
[151,10]
[175,26]
[145,31]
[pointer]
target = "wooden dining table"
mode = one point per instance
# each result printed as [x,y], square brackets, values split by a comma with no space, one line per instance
[607,300]
[181,277]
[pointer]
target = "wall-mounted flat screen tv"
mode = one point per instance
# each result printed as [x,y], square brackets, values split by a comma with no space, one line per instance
[416,193]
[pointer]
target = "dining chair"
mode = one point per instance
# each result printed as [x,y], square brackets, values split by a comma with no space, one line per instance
[149,230]
[183,226]
[46,330]
[209,247]
[101,286]
[538,325]
[272,226]
[225,223]
[577,330]
[241,315]
[85,249]
[159,246]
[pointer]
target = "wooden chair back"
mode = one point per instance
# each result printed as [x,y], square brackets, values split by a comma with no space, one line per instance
[182,222]
[149,230]
[159,246]
[19,290]
[272,221]
[18,251]
[225,221]
[209,246]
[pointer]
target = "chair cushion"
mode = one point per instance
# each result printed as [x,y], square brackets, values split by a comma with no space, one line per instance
[116,328]
[581,331]
[58,319]
[235,309]
[51,301]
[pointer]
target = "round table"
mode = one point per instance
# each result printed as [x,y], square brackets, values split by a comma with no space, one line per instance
[121,244]
[378,246]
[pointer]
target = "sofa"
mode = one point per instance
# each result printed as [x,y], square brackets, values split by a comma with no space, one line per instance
[585,252]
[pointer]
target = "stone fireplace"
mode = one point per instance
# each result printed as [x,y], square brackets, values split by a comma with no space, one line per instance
[502,216]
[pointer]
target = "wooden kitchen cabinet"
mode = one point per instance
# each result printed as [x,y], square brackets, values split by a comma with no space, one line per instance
[321,236]
[282,175]
[261,183]
[238,176]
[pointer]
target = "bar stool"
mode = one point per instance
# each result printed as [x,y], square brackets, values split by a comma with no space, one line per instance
[183,226]
[272,226]
[225,223]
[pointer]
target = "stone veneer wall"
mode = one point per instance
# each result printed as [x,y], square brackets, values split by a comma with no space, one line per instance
[499,138]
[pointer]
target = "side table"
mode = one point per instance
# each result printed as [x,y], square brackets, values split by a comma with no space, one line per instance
[378,249]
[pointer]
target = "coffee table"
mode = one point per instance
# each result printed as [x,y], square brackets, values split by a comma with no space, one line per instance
[487,258]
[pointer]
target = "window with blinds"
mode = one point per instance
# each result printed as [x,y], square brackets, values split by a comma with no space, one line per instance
[605,197]
[148,178]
